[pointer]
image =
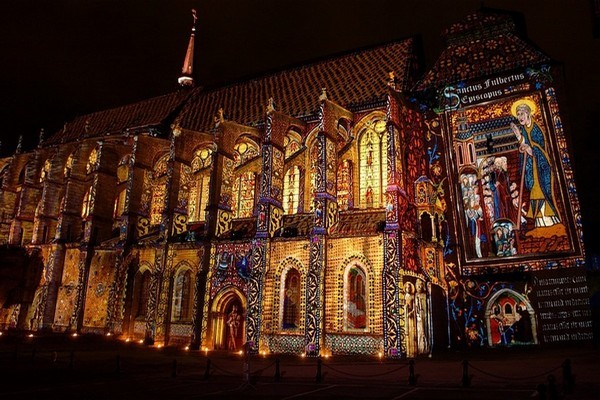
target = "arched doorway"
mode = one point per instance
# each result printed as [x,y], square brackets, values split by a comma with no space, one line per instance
[228,320]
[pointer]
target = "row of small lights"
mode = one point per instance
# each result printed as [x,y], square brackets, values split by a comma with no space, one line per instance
[204,349]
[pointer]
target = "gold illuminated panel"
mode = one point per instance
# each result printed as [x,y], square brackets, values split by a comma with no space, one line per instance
[291,190]
[86,203]
[99,282]
[68,166]
[67,291]
[159,192]
[92,161]
[342,256]
[344,185]
[372,162]
[243,189]
[198,199]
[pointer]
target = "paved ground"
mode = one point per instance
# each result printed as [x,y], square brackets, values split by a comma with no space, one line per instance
[93,368]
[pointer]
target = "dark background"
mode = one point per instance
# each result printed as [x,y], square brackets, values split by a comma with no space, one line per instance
[60,59]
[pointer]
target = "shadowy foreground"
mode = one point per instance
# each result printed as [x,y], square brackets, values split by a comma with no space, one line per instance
[95,367]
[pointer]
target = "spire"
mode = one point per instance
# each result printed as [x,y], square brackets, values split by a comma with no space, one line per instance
[19,145]
[41,140]
[186,78]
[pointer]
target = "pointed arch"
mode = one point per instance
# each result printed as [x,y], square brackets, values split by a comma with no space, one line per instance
[228,319]
[291,299]
[355,301]
[86,203]
[292,143]
[141,291]
[372,161]
[510,319]
[291,190]
[356,279]
[182,294]
[281,280]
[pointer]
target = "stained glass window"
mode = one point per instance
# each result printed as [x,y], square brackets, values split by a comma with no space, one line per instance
[159,190]
[157,202]
[202,159]
[344,185]
[86,203]
[244,151]
[182,291]
[160,168]
[119,207]
[291,300]
[92,161]
[314,157]
[123,169]
[68,166]
[356,304]
[199,198]
[45,170]
[291,143]
[373,162]
[243,193]
[291,190]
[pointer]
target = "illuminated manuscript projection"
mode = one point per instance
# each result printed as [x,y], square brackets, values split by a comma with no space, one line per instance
[511,200]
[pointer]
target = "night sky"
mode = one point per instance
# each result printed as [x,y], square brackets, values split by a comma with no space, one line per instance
[60,59]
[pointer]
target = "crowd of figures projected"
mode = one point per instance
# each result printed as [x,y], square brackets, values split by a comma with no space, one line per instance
[510,198]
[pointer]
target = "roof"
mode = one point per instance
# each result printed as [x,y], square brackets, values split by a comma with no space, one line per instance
[484,43]
[148,113]
[353,80]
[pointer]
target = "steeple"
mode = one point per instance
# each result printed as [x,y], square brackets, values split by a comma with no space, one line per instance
[186,78]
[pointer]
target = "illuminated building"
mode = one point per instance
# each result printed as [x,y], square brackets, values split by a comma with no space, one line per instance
[352,205]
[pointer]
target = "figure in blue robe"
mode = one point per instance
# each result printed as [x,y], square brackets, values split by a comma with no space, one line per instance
[538,176]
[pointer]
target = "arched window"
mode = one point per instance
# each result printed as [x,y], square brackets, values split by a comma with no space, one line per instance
[123,169]
[119,207]
[86,203]
[199,197]
[243,194]
[426,227]
[68,166]
[182,296]
[291,190]
[291,300]
[92,161]
[355,295]
[142,294]
[244,151]
[291,143]
[373,167]
[21,179]
[45,170]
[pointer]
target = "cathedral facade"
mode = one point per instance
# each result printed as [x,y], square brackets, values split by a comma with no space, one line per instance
[356,205]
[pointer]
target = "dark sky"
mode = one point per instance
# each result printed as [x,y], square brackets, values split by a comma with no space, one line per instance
[59,59]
